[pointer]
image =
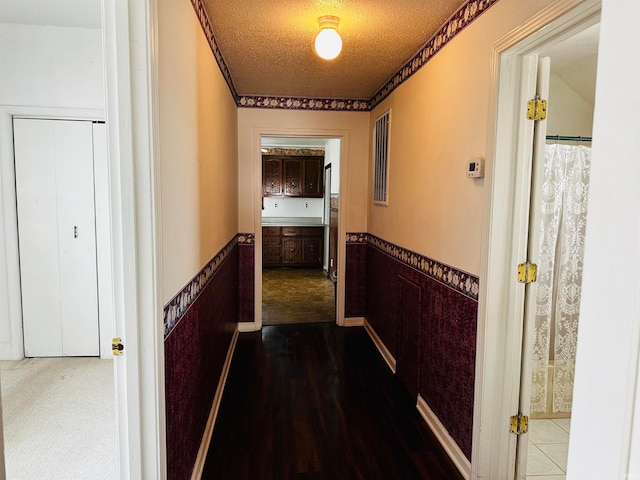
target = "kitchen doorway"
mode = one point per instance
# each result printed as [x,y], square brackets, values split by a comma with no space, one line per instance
[300,196]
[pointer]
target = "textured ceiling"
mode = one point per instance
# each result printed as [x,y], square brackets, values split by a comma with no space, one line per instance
[268,44]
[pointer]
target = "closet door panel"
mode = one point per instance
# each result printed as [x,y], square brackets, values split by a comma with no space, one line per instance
[38,234]
[76,238]
[56,228]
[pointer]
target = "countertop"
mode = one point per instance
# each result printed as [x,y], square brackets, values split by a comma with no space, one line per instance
[292,222]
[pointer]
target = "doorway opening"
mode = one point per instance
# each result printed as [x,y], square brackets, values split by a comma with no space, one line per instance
[299,219]
[512,234]
[560,183]
[62,281]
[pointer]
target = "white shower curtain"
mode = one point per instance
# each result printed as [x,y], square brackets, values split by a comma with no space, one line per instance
[562,228]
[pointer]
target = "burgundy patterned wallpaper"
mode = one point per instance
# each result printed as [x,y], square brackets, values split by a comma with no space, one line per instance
[196,346]
[425,313]
[447,360]
[354,280]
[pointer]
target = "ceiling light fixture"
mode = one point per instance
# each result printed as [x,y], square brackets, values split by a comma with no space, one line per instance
[328,43]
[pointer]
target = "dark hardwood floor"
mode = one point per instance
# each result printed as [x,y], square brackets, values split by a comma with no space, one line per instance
[317,401]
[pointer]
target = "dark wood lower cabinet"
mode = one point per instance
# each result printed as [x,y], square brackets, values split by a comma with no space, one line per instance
[312,251]
[292,246]
[291,254]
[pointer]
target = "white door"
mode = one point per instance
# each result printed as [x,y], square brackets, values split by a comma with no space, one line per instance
[541,69]
[56,234]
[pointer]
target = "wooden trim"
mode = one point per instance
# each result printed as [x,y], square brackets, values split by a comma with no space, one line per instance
[248,327]
[211,421]
[354,322]
[450,446]
[386,354]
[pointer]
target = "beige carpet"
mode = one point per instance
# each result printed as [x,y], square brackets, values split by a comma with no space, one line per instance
[297,295]
[59,418]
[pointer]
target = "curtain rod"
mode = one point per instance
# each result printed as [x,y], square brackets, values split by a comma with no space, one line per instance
[568,139]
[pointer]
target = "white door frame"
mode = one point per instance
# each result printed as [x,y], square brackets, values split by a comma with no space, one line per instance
[258,133]
[130,53]
[501,299]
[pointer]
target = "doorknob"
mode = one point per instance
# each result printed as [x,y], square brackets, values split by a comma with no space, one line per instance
[117,347]
[75,231]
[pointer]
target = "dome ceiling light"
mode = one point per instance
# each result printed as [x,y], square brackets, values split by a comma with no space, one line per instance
[328,44]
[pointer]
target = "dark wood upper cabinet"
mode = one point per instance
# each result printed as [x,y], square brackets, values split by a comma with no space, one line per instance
[293,176]
[271,176]
[313,178]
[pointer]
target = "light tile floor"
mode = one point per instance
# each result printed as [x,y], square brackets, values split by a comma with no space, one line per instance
[547,451]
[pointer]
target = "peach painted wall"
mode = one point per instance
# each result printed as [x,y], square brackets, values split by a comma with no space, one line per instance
[438,124]
[198,148]
[307,123]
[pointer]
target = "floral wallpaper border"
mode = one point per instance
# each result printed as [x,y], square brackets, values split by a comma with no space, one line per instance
[300,103]
[180,303]
[246,238]
[307,152]
[462,18]
[203,18]
[463,282]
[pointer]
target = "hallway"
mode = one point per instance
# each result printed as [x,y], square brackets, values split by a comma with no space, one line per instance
[318,401]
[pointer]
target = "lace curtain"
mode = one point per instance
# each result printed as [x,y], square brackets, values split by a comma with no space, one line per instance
[562,228]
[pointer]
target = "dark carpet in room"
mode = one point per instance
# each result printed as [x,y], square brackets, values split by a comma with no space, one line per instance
[297,295]
[318,401]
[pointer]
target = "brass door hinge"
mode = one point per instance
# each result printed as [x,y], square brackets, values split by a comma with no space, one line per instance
[519,424]
[117,348]
[536,109]
[527,272]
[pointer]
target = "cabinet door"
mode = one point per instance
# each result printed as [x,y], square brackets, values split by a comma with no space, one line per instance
[272,177]
[271,255]
[291,254]
[312,251]
[292,168]
[313,176]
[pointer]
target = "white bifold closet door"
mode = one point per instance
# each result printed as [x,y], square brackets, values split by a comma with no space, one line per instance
[57,239]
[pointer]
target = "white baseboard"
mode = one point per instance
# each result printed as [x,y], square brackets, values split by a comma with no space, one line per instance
[386,354]
[217,399]
[353,322]
[6,352]
[448,443]
[248,327]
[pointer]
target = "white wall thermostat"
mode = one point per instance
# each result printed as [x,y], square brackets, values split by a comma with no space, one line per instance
[475,169]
